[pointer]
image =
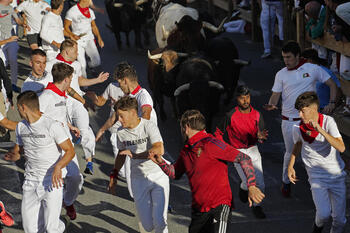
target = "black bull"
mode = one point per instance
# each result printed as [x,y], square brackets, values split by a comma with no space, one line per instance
[126,16]
[222,54]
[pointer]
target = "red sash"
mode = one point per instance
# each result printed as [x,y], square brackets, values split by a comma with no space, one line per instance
[301,62]
[308,132]
[55,89]
[85,11]
[61,58]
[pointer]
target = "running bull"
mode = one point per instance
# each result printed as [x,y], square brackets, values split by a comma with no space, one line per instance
[126,16]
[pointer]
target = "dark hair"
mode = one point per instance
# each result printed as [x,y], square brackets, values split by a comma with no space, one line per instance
[242,90]
[29,99]
[126,103]
[312,54]
[291,46]
[67,43]
[60,71]
[55,4]
[306,99]
[37,52]
[125,70]
[193,119]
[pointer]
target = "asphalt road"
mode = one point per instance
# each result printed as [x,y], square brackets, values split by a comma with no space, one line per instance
[99,211]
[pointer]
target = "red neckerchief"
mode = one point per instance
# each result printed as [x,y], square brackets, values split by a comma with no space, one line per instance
[61,58]
[197,137]
[136,90]
[85,11]
[301,62]
[55,89]
[308,132]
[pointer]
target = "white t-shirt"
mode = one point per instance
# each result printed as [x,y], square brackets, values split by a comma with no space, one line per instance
[1,117]
[55,107]
[144,99]
[76,74]
[80,23]
[138,140]
[40,142]
[320,158]
[34,12]
[114,93]
[292,83]
[36,84]
[51,30]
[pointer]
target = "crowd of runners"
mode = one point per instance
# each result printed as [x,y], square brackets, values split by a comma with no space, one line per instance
[55,117]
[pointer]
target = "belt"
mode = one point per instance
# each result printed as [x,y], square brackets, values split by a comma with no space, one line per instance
[290,119]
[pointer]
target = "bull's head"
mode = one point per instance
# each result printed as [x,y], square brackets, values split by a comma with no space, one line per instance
[169,58]
[186,87]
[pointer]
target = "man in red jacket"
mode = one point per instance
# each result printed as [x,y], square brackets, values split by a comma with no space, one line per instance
[204,159]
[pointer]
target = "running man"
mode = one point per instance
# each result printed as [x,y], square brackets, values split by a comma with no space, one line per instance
[291,81]
[136,138]
[82,20]
[53,103]
[319,142]
[41,140]
[78,114]
[244,126]
[34,11]
[203,160]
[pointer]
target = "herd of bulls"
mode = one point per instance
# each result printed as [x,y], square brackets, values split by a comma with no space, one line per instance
[193,66]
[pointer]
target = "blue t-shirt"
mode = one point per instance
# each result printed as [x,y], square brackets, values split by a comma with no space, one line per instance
[322,89]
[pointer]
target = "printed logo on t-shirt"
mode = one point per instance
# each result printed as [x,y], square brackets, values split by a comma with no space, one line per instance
[62,103]
[135,142]
[305,75]
[30,135]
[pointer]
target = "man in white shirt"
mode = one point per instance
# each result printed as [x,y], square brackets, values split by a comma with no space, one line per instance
[82,21]
[296,78]
[53,103]
[78,114]
[42,141]
[52,32]
[34,11]
[138,138]
[319,142]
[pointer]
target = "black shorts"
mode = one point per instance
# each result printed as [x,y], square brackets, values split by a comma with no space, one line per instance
[214,221]
[34,39]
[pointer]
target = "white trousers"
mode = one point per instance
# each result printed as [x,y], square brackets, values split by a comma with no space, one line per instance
[74,182]
[151,196]
[255,156]
[271,9]
[41,208]
[11,50]
[287,132]
[89,47]
[79,117]
[329,196]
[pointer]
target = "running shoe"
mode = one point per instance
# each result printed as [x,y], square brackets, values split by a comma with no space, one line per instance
[5,217]
[72,214]
[317,229]
[89,168]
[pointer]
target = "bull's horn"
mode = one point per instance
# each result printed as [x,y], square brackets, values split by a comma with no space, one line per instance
[140,2]
[241,62]
[155,56]
[118,4]
[182,54]
[212,28]
[165,33]
[216,85]
[181,88]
